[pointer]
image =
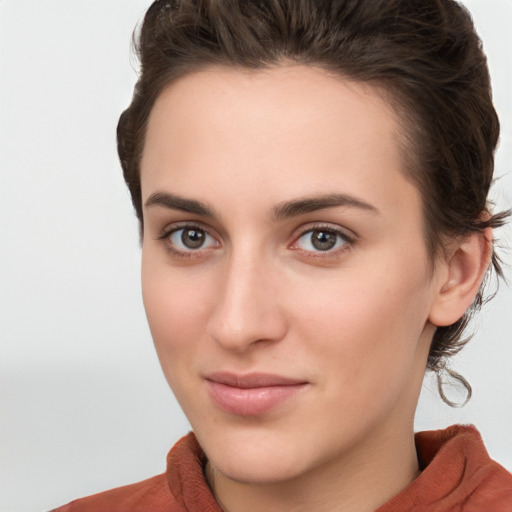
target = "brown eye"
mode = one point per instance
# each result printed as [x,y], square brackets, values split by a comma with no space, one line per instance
[323,240]
[190,239]
[193,238]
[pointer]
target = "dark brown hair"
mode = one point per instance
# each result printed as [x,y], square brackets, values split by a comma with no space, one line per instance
[424,53]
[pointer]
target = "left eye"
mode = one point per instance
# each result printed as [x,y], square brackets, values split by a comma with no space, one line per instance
[321,240]
[191,238]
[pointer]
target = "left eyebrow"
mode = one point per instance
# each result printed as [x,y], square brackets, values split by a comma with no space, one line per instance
[304,205]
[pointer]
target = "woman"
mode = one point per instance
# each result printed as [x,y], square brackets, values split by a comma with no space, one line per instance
[311,182]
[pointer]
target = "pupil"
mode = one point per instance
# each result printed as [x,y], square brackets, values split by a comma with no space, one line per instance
[323,240]
[192,238]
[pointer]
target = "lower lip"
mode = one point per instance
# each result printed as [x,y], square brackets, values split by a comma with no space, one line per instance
[250,401]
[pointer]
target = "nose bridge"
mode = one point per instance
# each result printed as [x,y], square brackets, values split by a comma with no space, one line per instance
[247,309]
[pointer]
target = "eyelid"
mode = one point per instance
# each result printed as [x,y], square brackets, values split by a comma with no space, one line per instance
[176,226]
[336,228]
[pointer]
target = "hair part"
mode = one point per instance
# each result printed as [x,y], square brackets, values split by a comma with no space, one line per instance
[425,55]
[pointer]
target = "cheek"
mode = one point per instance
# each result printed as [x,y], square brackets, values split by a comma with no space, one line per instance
[366,327]
[177,311]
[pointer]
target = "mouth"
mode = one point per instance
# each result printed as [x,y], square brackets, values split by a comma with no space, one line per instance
[252,394]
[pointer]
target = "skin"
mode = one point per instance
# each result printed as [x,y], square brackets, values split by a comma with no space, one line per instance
[354,322]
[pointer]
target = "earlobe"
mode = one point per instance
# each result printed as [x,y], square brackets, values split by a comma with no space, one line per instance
[464,272]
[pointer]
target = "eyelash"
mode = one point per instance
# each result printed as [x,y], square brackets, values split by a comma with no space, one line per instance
[347,240]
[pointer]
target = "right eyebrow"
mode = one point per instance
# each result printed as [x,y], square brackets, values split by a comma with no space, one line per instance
[174,202]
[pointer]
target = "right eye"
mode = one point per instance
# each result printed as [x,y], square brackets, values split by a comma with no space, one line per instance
[188,239]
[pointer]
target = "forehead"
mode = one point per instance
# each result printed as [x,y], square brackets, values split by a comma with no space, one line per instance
[286,93]
[296,128]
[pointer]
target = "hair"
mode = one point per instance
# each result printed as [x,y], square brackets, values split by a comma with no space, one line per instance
[425,55]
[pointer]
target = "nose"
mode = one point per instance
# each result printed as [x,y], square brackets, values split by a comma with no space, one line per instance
[248,309]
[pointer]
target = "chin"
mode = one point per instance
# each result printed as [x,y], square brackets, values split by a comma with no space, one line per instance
[258,457]
[262,469]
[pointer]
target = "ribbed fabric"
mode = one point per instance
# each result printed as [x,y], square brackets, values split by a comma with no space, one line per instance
[458,476]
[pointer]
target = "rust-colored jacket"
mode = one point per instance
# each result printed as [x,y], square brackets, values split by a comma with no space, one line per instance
[458,476]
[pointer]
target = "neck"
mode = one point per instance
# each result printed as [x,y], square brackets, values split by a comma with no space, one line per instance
[359,482]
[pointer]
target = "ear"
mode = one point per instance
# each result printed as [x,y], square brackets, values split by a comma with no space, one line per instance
[461,277]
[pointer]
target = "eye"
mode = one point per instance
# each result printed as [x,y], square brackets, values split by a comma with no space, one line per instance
[321,240]
[189,239]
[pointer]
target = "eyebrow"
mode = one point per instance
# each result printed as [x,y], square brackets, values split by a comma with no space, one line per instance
[304,205]
[281,211]
[174,202]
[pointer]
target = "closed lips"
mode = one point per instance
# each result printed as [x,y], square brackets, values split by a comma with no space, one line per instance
[253,394]
[252,380]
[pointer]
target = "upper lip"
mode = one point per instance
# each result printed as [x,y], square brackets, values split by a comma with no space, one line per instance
[252,380]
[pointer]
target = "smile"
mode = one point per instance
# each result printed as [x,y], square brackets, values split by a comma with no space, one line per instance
[253,394]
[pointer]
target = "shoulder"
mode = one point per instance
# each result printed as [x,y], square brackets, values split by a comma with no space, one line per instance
[457,474]
[166,492]
[151,494]
[458,463]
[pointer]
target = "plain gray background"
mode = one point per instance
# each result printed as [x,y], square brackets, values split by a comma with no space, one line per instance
[83,404]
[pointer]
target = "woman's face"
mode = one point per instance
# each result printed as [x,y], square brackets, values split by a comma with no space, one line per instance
[284,267]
